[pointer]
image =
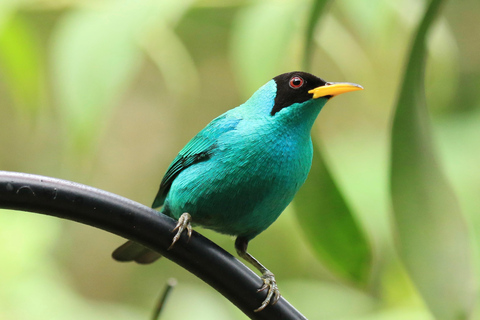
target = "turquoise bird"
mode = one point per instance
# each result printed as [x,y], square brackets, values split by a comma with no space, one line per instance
[240,172]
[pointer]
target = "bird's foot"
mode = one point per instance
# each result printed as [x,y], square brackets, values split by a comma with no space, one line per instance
[273,294]
[183,223]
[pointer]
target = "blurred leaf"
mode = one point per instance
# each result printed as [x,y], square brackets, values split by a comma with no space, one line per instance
[261,42]
[173,61]
[322,300]
[433,237]
[321,208]
[315,13]
[443,69]
[330,226]
[203,304]
[22,64]
[342,47]
[405,313]
[51,296]
[25,243]
[380,23]
[96,56]
[7,8]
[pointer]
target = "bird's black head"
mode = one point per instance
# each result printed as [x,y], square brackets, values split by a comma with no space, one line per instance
[298,87]
[294,87]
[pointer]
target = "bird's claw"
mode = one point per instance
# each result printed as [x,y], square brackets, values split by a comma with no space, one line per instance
[273,294]
[183,223]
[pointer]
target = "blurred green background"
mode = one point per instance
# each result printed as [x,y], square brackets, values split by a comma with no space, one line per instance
[106,93]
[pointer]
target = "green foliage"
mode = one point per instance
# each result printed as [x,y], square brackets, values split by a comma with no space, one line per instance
[22,64]
[252,65]
[123,85]
[91,76]
[431,228]
[316,11]
[330,227]
[321,208]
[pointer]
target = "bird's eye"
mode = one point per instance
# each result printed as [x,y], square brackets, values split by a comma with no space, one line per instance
[296,82]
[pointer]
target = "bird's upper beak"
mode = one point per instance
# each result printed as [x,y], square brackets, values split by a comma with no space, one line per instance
[334,89]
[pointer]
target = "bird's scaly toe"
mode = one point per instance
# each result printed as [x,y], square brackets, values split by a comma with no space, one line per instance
[273,294]
[183,223]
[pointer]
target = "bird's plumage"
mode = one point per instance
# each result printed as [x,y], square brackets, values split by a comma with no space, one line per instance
[200,148]
[240,172]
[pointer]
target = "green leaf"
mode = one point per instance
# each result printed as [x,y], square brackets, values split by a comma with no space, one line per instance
[322,211]
[173,61]
[330,226]
[261,46]
[96,54]
[95,57]
[22,65]
[433,236]
[319,6]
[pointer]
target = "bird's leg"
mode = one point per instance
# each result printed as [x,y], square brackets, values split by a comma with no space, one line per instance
[269,282]
[183,223]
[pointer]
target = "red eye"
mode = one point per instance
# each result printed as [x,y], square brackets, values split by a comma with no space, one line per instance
[296,82]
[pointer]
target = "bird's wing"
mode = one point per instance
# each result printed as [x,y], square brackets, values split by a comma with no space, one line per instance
[200,148]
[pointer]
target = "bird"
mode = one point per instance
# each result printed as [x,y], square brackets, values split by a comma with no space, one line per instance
[239,173]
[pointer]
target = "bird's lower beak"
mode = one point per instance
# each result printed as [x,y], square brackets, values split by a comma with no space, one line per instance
[334,89]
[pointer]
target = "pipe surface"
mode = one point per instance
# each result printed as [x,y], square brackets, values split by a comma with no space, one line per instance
[134,221]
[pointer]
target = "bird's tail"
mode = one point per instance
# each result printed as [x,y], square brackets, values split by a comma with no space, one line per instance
[132,251]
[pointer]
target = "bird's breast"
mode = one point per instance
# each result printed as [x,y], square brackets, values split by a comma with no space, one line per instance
[251,177]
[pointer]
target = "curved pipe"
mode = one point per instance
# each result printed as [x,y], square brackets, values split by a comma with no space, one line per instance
[134,221]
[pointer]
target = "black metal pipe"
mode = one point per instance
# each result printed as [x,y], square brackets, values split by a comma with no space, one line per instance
[134,221]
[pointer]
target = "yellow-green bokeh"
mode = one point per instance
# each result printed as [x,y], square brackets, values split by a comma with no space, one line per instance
[106,93]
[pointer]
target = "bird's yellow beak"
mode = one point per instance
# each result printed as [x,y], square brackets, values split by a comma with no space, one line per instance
[334,89]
